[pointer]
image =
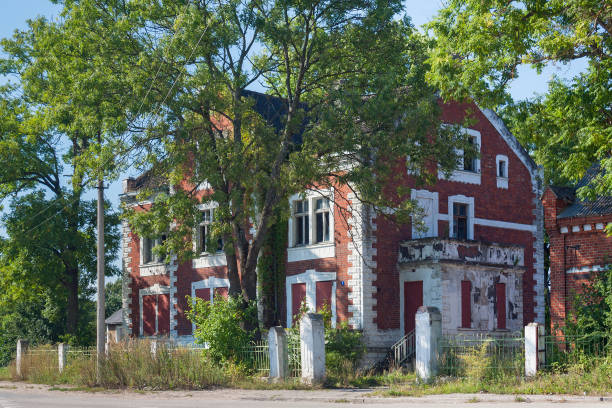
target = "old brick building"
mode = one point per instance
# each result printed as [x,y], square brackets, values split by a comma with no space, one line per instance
[479,258]
[579,244]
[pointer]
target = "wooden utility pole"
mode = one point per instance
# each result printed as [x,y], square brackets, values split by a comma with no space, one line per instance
[100,329]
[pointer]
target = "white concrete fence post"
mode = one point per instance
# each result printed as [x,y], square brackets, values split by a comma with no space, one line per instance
[428,332]
[312,347]
[22,347]
[535,349]
[279,355]
[154,349]
[62,351]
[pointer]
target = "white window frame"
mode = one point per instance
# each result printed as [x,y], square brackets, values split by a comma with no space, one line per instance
[156,289]
[154,258]
[461,199]
[311,251]
[463,176]
[310,278]
[209,283]
[502,180]
[426,194]
[205,259]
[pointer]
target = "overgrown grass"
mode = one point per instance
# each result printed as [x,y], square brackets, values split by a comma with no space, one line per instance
[592,378]
[131,365]
[5,374]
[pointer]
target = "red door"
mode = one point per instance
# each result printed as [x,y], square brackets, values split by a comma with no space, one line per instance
[148,314]
[298,295]
[413,299]
[324,294]
[221,292]
[163,314]
[500,292]
[203,294]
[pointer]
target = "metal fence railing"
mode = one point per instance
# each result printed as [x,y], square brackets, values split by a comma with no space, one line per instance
[295,359]
[564,351]
[257,356]
[482,355]
[41,358]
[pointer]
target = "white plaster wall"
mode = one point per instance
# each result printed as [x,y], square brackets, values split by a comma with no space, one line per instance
[431,275]
[482,298]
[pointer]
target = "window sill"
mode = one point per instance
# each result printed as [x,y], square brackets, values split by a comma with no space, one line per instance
[206,260]
[316,251]
[502,182]
[462,176]
[152,269]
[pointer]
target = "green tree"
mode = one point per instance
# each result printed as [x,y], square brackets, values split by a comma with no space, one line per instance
[479,46]
[113,297]
[353,104]
[61,104]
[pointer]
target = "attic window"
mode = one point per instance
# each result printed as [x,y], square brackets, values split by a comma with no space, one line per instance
[502,170]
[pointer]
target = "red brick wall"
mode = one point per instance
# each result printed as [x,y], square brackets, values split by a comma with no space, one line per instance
[515,204]
[574,249]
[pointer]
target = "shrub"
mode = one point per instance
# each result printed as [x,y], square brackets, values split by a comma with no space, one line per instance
[344,349]
[219,325]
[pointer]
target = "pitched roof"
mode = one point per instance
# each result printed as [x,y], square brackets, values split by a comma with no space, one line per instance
[601,205]
[115,318]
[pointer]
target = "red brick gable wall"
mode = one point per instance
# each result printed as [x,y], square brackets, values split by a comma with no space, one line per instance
[516,205]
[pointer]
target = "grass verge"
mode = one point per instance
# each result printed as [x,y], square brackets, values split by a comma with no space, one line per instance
[575,380]
[5,374]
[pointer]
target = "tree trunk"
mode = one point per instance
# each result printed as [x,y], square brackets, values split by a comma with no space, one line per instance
[72,312]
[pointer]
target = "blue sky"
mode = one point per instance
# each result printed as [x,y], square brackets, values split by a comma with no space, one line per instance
[15,13]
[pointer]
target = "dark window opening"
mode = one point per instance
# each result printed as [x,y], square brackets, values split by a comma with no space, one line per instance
[460,221]
[469,160]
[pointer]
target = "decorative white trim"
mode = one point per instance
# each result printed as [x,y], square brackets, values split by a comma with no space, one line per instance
[462,176]
[585,269]
[152,269]
[310,278]
[209,283]
[156,289]
[502,182]
[463,200]
[506,225]
[427,195]
[587,227]
[317,251]
[209,261]
[564,230]
[312,251]
[575,228]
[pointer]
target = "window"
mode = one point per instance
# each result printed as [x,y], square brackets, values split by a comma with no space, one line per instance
[501,169]
[205,234]
[460,221]
[302,222]
[322,220]
[469,159]
[148,244]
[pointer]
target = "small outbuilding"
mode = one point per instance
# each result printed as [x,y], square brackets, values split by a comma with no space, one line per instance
[114,327]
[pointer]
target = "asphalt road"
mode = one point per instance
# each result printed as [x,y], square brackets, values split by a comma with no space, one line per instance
[29,396]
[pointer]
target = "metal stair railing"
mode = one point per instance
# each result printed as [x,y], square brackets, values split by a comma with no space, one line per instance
[403,349]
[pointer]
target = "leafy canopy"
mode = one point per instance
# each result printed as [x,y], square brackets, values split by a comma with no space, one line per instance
[479,46]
